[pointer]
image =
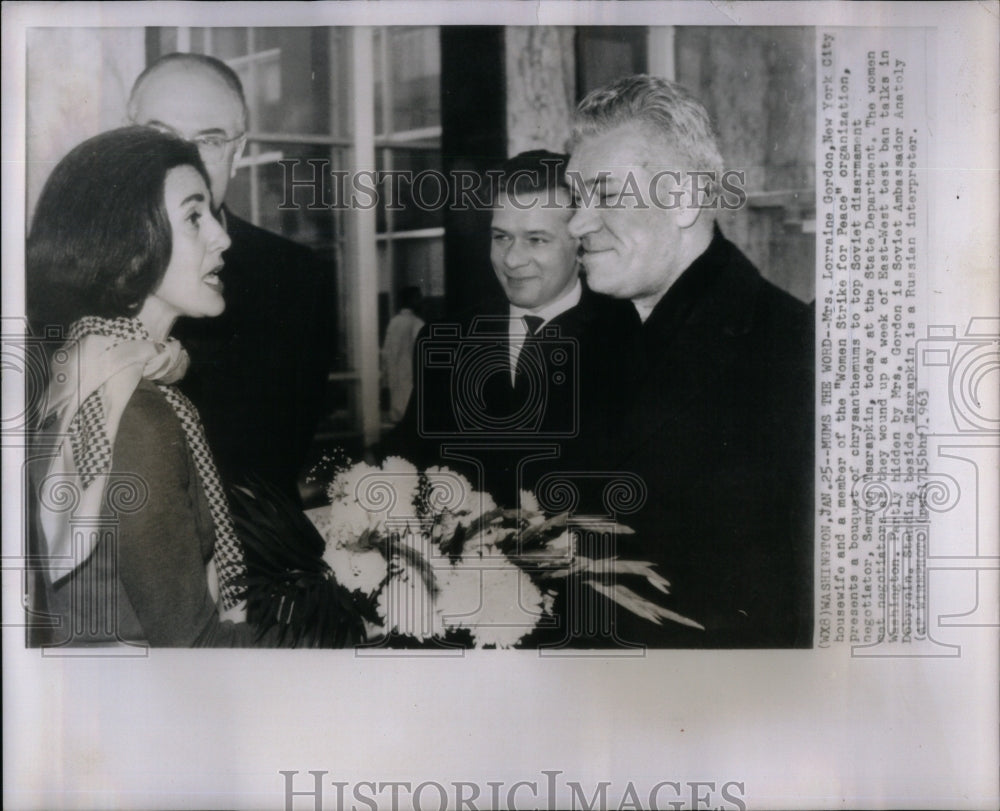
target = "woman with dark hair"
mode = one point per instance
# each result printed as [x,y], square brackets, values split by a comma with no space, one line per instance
[137,542]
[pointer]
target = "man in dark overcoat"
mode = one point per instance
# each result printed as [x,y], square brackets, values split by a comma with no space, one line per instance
[713,377]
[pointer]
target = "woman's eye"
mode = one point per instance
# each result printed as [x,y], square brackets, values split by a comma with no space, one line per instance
[194,218]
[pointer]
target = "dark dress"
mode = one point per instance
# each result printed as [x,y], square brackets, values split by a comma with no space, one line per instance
[145,581]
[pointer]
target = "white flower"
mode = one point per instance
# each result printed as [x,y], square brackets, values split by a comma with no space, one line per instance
[397,464]
[407,606]
[529,503]
[491,597]
[483,591]
[483,542]
[452,492]
[345,484]
[404,478]
[342,523]
[444,527]
[356,569]
[475,506]
[364,497]
[448,490]
[348,522]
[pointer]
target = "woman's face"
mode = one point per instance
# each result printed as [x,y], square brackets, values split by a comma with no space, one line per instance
[191,285]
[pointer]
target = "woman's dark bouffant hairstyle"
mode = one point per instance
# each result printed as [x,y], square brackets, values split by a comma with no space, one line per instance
[100,241]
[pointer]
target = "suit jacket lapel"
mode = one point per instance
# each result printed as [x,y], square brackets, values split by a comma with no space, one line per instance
[686,360]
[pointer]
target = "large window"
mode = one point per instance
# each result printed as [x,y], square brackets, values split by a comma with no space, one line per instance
[341,100]
[410,217]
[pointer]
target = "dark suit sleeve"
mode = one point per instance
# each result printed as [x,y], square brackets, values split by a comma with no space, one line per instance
[318,342]
[259,371]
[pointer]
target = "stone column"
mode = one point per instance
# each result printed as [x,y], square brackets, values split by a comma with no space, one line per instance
[540,66]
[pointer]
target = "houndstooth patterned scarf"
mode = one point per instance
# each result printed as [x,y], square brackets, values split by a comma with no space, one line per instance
[103,362]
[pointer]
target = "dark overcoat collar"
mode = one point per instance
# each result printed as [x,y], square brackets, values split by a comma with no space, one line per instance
[688,344]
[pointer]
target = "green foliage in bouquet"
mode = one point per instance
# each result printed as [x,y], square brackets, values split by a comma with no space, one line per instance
[288,584]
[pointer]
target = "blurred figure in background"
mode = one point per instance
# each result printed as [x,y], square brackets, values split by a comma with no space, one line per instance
[397,351]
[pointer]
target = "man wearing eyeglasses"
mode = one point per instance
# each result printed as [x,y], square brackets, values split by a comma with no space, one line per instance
[258,372]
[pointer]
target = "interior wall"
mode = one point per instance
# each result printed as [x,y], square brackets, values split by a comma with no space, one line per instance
[759,86]
[78,81]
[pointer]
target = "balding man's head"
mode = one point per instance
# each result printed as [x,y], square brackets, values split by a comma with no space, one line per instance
[200,99]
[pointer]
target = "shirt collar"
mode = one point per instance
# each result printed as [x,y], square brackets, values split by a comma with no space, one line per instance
[682,296]
[565,302]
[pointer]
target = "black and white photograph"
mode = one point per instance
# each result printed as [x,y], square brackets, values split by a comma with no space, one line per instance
[585,405]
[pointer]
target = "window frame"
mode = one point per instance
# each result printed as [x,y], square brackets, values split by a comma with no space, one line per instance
[356,236]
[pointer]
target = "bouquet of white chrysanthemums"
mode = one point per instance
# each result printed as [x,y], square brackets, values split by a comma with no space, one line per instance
[431,557]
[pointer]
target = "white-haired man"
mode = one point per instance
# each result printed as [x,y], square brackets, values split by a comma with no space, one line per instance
[714,382]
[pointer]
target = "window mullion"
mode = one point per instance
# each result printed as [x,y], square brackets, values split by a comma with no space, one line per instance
[363,258]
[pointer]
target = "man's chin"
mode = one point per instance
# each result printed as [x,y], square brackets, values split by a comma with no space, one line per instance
[600,281]
[521,299]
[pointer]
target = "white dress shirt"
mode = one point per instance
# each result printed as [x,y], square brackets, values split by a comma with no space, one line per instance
[517,330]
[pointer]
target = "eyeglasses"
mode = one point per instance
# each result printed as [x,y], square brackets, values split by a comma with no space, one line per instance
[211,146]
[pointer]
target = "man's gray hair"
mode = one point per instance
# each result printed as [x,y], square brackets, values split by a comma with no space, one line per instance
[209,63]
[662,107]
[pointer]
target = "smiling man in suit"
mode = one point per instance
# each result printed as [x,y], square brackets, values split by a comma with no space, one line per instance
[714,382]
[515,389]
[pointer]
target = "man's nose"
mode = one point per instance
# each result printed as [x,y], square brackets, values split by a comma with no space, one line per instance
[516,256]
[583,222]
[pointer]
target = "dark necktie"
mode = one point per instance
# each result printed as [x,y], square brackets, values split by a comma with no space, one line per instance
[533,324]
